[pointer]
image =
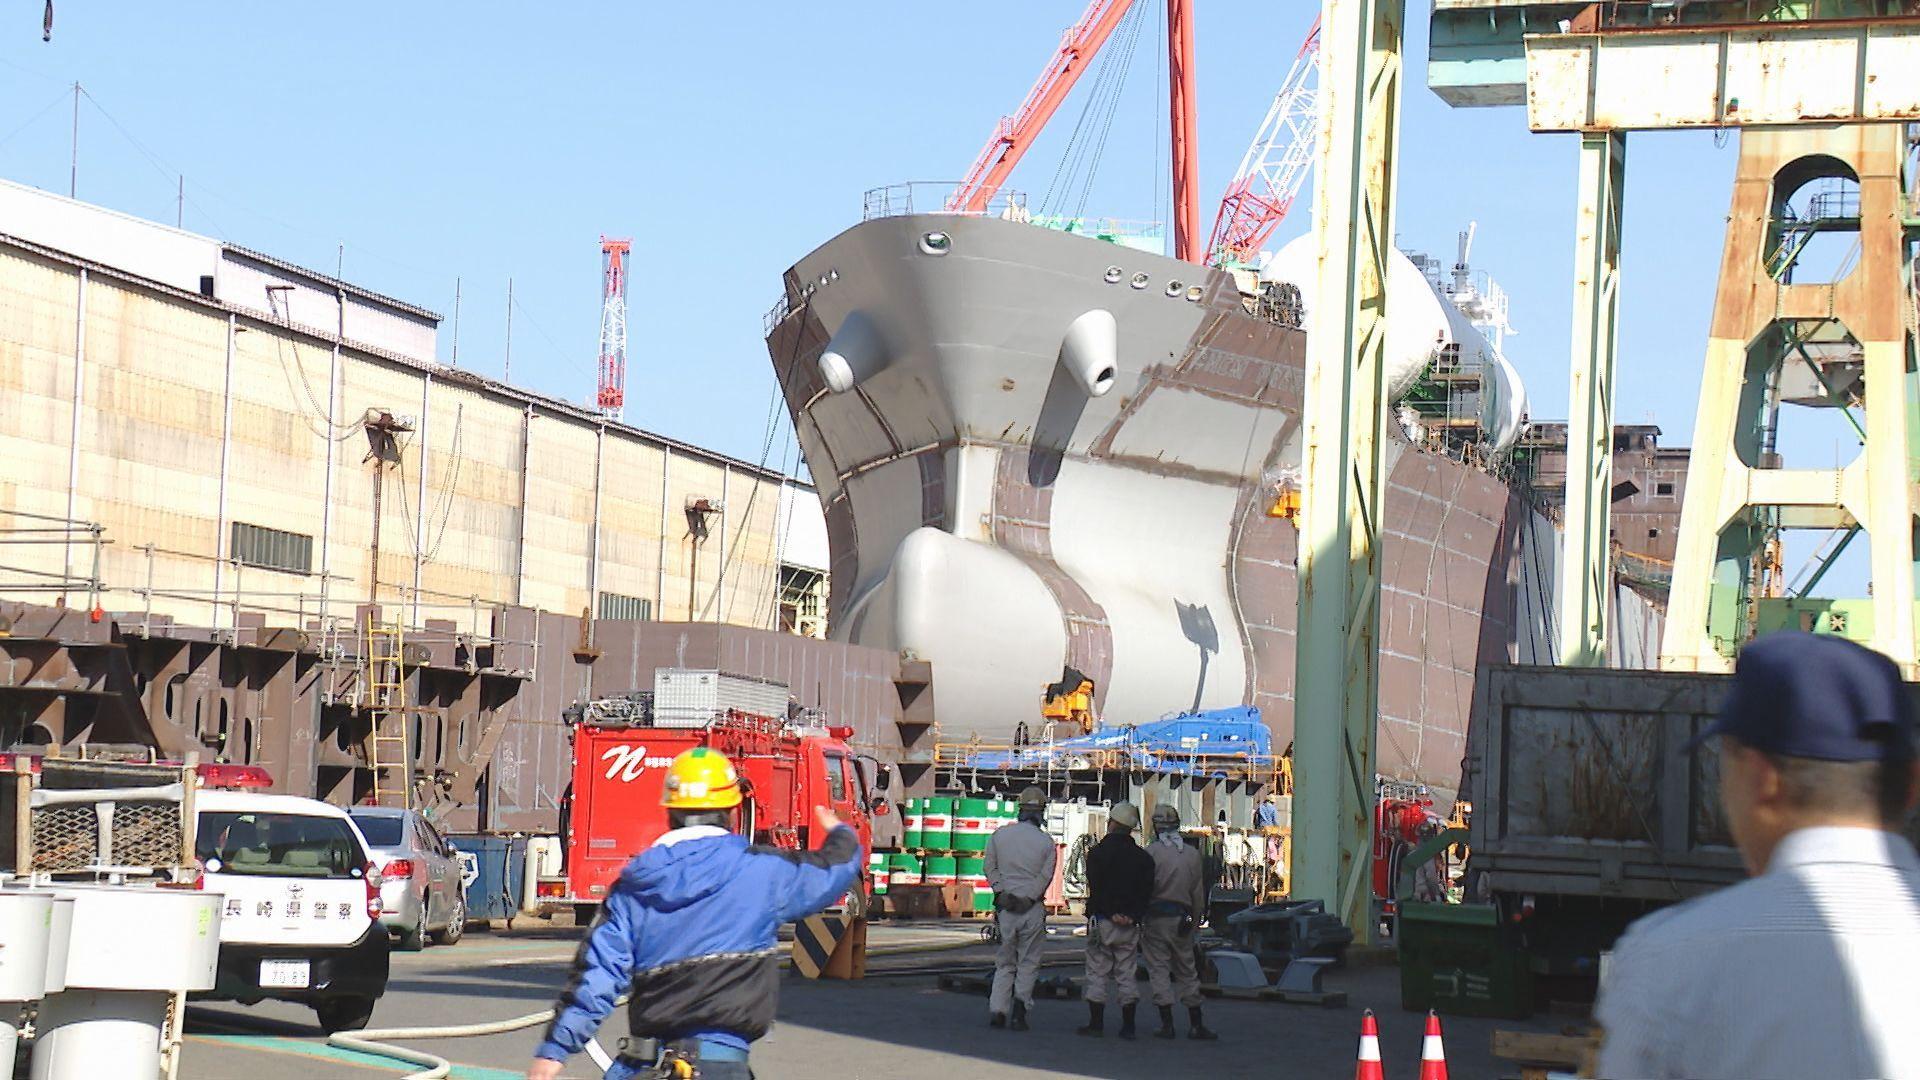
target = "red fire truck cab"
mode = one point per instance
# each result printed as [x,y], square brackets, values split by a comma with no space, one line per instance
[613,811]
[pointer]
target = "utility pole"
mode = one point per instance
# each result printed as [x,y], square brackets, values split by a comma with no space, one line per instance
[455,361]
[383,450]
[506,375]
[73,168]
[180,204]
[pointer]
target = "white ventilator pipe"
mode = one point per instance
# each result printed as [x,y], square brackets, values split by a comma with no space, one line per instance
[1090,351]
[855,353]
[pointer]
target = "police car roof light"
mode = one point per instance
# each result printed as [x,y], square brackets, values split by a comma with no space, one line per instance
[235,777]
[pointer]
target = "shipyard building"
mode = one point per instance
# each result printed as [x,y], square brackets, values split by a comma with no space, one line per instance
[222,469]
[232,421]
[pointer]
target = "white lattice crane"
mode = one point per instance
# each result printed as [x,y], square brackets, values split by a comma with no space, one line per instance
[1275,167]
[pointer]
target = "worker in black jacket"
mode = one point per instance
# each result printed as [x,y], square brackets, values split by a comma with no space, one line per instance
[1119,885]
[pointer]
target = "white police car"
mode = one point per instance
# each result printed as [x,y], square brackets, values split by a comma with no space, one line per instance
[302,911]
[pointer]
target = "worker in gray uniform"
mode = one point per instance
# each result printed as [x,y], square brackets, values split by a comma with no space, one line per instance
[1020,860]
[1179,901]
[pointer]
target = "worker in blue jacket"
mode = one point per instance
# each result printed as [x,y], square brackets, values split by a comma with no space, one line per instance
[689,930]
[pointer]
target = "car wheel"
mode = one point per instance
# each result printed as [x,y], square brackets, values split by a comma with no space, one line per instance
[456,923]
[344,1013]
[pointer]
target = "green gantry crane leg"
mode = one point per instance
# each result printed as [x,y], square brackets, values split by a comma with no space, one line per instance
[1586,564]
[1336,684]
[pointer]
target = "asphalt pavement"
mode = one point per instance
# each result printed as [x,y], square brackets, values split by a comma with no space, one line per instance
[885,1026]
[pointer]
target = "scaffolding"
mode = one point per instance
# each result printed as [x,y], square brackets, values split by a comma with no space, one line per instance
[1444,410]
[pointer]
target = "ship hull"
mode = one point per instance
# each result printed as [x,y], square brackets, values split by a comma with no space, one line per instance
[990,515]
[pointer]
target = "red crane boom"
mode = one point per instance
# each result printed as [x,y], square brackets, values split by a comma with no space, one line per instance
[1016,133]
[1186,141]
[1275,166]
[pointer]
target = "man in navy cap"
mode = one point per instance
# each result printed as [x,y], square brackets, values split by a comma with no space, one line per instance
[1806,969]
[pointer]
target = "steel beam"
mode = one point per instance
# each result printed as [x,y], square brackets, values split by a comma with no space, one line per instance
[1818,72]
[1338,659]
[1586,566]
[1731,482]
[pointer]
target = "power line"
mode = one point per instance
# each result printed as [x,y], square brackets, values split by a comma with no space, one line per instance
[558,350]
[66,86]
[160,166]
[37,117]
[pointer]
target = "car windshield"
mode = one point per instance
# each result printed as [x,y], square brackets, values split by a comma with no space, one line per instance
[277,845]
[380,831]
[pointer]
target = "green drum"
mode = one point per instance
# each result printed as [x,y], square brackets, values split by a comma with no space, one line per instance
[936,824]
[903,869]
[973,872]
[878,871]
[973,822]
[941,870]
[912,824]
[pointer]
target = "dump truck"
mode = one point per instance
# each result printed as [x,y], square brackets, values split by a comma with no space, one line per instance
[1589,810]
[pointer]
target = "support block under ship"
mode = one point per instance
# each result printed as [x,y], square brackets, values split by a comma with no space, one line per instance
[1038,449]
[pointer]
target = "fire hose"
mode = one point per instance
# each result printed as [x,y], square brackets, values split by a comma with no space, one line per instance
[435,1067]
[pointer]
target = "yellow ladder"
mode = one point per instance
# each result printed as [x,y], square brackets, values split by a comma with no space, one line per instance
[387,750]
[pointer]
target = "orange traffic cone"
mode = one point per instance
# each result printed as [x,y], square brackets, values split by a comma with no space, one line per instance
[1368,1067]
[1433,1055]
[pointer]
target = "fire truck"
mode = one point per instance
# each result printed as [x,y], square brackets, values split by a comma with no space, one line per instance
[612,809]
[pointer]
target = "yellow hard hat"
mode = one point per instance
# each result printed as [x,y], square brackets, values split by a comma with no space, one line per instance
[701,779]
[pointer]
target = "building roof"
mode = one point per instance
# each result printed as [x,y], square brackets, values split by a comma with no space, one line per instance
[331,282]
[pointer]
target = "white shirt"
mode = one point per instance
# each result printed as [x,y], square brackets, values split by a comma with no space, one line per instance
[1804,971]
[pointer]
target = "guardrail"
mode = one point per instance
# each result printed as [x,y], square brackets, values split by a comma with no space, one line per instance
[40,532]
[310,601]
[932,197]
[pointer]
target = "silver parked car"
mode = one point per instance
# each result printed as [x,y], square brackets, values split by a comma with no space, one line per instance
[421,892]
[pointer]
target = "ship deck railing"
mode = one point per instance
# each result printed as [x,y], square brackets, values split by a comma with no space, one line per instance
[937,197]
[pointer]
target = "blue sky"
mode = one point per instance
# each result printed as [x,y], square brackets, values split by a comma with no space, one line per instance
[486,140]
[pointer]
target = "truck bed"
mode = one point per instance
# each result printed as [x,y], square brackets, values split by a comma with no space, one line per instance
[1582,785]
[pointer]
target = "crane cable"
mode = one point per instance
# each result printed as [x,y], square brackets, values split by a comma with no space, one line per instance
[1097,111]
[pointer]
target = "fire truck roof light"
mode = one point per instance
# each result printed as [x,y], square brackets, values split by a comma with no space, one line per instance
[841,732]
